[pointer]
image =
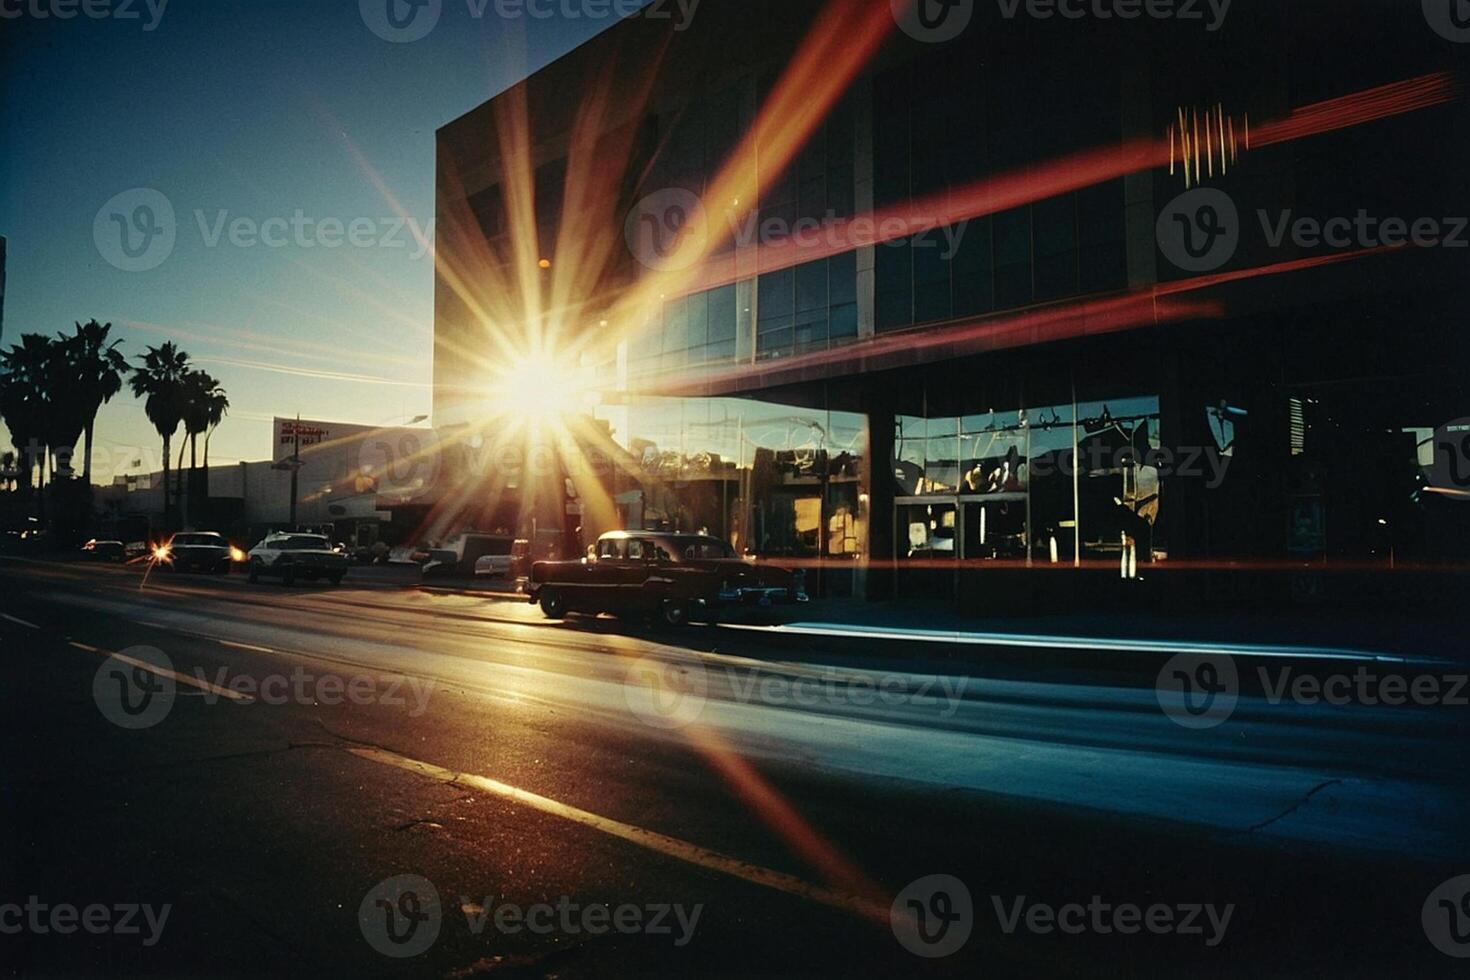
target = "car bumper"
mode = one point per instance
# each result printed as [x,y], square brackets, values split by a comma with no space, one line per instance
[759,596]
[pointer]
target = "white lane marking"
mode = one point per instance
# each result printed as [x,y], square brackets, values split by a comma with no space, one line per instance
[203,685]
[17,620]
[1041,641]
[183,631]
[240,646]
[652,840]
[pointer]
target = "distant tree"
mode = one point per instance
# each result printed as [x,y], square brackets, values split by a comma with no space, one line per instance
[205,406]
[25,401]
[95,370]
[160,381]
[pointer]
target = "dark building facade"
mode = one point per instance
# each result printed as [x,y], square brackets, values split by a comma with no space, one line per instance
[1055,309]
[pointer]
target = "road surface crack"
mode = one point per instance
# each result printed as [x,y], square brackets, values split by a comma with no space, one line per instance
[1295,806]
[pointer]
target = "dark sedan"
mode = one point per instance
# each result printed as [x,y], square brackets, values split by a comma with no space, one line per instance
[669,576]
[197,551]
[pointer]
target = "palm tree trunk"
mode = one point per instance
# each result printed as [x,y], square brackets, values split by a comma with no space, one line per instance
[165,475]
[87,463]
[207,436]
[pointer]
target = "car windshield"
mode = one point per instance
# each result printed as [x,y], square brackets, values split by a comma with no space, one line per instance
[707,548]
[305,542]
[185,540]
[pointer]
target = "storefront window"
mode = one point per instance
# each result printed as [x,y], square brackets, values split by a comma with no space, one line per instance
[776,481]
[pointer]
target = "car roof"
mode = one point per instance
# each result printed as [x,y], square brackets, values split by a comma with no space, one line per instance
[659,534]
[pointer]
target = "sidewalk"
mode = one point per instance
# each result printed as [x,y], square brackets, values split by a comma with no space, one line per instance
[1388,633]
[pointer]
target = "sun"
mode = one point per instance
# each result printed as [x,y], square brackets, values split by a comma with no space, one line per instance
[539,389]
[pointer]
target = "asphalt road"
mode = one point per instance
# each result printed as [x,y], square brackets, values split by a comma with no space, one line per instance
[264,765]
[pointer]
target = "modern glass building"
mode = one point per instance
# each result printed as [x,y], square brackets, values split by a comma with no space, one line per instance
[1159,310]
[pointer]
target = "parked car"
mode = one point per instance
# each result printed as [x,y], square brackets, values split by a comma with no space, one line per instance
[95,550]
[497,558]
[439,563]
[289,557]
[666,575]
[196,551]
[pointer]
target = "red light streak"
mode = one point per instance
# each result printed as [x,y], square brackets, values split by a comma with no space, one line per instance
[1074,172]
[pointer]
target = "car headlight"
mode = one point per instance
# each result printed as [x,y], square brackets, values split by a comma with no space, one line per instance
[237,555]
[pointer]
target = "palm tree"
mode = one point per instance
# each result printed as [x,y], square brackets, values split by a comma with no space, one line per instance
[205,406]
[96,370]
[160,380]
[25,401]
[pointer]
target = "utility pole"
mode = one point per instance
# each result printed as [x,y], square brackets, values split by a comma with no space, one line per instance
[294,465]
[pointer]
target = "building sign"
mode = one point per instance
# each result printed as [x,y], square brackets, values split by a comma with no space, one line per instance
[289,430]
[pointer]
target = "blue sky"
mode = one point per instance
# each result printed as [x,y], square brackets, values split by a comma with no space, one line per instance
[244,109]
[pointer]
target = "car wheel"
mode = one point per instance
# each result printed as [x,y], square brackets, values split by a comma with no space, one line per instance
[288,578]
[336,579]
[253,576]
[553,604]
[674,612]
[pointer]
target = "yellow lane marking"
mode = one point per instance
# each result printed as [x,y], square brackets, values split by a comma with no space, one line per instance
[203,685]
[17,620]
[669,846]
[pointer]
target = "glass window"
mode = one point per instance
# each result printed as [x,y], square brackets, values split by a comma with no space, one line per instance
[973,270]
[610,548]
[932,300]
[894,290]
[1055,244]
[637,549]
[1103,258]
[909,444]
[891,105]
[1012,236]
[993,453]
[842,291]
